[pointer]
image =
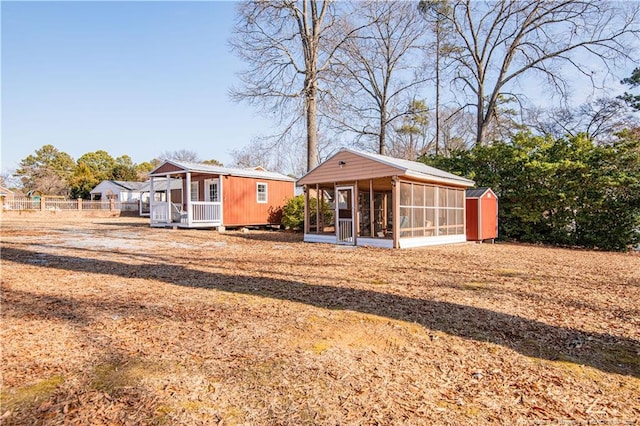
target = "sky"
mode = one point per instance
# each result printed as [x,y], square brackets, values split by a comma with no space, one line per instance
[137,78]
[129,77]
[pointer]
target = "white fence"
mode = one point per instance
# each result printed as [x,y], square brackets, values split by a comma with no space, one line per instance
[43,203]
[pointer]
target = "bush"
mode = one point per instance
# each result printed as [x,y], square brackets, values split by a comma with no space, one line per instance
[293,213]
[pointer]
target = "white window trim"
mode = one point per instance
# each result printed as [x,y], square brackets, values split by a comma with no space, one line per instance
[266,193]
[207,188]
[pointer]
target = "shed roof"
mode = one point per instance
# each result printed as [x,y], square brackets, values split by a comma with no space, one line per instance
[186,166]
[401,167]
[161,185]
[477,192]
[121,184]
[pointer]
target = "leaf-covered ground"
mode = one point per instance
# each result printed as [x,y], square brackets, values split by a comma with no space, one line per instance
[108,321]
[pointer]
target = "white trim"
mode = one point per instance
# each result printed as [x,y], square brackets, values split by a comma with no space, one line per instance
[266,193]
[375,242]
[345,240]
[316,238]
[207,189]
[432,241]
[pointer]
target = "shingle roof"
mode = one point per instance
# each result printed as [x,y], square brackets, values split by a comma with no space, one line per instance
[131,186]
[476,192]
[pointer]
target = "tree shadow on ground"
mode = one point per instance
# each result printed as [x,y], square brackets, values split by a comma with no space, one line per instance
[606,352]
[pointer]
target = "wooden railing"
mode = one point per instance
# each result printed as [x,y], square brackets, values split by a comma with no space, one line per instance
[204,211]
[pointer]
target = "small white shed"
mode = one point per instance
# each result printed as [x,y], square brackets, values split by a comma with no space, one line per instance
[118,190]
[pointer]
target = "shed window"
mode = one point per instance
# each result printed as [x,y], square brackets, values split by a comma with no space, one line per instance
[261,192]
[194,191]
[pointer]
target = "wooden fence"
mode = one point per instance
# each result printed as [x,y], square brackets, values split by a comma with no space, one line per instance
[48,204]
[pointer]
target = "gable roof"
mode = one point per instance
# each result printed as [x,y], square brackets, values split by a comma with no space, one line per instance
[186,166]
[118,184]
[478,192]
[402,167]
[129,185]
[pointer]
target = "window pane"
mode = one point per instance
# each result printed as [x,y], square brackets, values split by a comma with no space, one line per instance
[430,196]
[442,197]
[418,222]
[405,194]
[418,195]
[405,217]
[451,197]
[430,218]
[194,191]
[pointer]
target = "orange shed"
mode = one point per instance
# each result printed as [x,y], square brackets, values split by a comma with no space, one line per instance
[212,196]
[481,214]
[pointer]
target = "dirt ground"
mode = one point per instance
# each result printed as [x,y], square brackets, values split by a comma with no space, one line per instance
[108,321]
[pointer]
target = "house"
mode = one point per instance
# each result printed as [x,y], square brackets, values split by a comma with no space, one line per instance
[358,198]
[118,190]
[6,194]
[481,214]
[215,196]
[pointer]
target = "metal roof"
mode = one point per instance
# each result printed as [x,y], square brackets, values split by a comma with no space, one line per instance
[219,170]
[408,168]
[413,168]
[161,185]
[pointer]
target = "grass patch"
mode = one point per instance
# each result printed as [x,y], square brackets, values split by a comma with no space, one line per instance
[30,394]
[510,273]
[474,286]
[111,377]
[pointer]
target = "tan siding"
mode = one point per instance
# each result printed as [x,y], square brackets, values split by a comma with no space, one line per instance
[240,200]
[355,168]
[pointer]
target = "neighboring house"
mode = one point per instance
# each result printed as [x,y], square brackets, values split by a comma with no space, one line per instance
[118,190]
[214,196]
[357,198]
[6,194]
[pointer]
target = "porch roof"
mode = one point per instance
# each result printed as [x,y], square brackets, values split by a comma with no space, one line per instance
[184,167]
[393,166]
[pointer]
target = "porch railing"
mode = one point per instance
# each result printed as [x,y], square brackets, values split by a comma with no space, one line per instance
[204,211]
[345,230]
[201,212]
[159,212]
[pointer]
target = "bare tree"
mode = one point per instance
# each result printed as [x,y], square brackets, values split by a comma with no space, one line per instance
[502,41]
[377,70]
[599,119]
[411,137]
[288,46]
[180,155]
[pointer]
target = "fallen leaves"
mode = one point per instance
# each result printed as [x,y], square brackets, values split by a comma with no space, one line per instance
[113,322]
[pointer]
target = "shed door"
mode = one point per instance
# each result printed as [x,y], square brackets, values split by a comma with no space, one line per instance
[344,213]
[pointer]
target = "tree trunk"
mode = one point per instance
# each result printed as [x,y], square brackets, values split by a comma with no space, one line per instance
[438,41]
[312,126]
[382,144]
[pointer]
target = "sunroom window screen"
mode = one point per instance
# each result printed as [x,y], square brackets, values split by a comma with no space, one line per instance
[429,210]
